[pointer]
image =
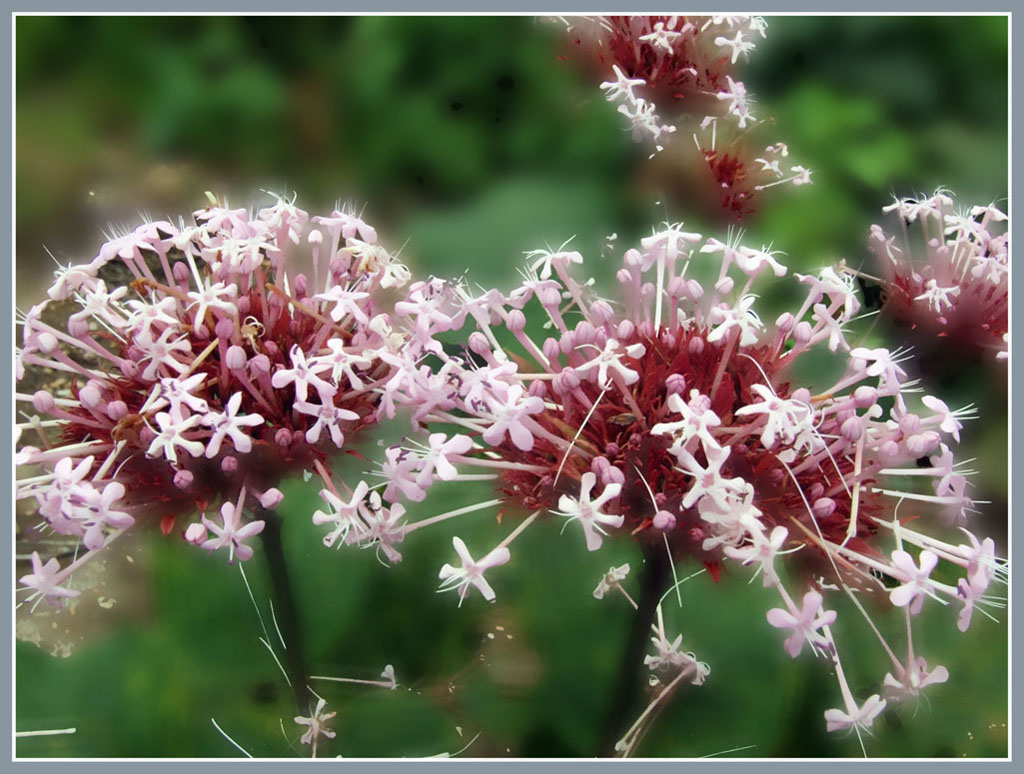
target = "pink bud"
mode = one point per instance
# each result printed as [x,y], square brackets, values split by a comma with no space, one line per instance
[815,490]
[864,396]
[724,285]
[47,342]
[225,328]
[802,394]
[243,305]
[79,328]
[538,389]
[551,349]
[802,332]
[130,369]
[633,259]
[599,464]
[785,322]
[315,237]
[852,429]
[202,332]
[601,312]
[229,464]
[584,333]
[612,475]
[283,437]
[567,343]
[479,344]
[117,410]
[696,345]
[271,498]
[694,289]
[823,507]
[43,402]
[909,423]
[549,297]
[516,321]
[664,521]
[183,479]
[273,351]
[260,365]
[89,396]
[235,358]
[180,271]
[195,533]
[889,449]
[677,287]
[623,276]
[300,286]
[675,384]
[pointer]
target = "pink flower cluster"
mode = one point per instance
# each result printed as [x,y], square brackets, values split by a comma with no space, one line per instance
[215,373]
[673,415]
[946,271]
[686,64]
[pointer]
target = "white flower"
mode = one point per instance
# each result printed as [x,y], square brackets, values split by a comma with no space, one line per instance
[472,572]
[588,512]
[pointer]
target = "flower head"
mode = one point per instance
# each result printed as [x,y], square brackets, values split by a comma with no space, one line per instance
[197,365]
[945,272]
[674,416]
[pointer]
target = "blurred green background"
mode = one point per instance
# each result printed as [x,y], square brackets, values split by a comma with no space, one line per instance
[474,141]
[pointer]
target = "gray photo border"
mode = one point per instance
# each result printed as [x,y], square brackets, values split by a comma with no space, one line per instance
[7,761]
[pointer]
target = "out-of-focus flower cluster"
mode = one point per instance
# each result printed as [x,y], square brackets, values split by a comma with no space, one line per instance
[686,65]
[946,270]
[673,416]
[215,369]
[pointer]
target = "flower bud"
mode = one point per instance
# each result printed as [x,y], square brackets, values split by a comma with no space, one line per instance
[694,289]
[625,330]
[585,333]
[785,322]
[696,345]
[852,429]
[117,410]
[802,332]
[724,285]
[271,498]
[633,259]
[229,464]
[300,285]
[567,343]
[538,389]
[823,507]
[235,358]
[244,305]
[315,237]
[601,312]
[90,396]
[180,272]
[478,344]
[259,365]
[283,437]
[43,402]
[551,349]
[909,423]
[664,521]
[183,479]
[516,322]
[675,384]
[79,328]
[225,328]
[195,533]
[612,475]
[865,396]
[47,342]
